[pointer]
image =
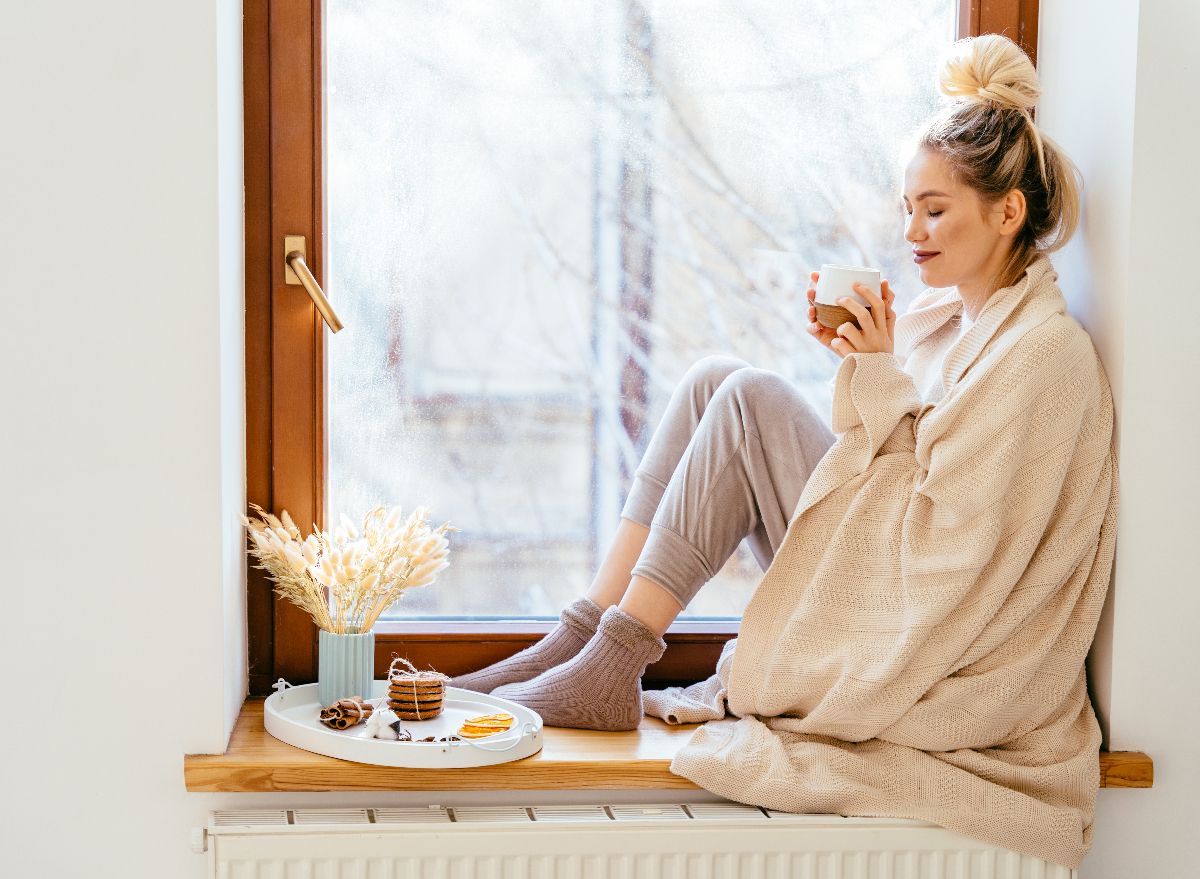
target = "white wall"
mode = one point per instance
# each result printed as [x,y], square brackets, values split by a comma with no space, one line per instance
[122,439]
[1121,80]
[123,425]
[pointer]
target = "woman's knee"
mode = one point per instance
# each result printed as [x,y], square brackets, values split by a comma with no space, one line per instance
[708,373]
[755,388]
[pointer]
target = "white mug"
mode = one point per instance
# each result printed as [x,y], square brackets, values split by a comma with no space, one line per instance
[837,281]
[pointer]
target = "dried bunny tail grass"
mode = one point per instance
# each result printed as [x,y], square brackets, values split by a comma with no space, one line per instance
[345,586]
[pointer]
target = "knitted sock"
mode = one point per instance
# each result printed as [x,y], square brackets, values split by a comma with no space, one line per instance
[601,687]
[577,623]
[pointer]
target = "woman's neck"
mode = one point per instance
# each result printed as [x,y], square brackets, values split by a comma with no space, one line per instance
[974,297]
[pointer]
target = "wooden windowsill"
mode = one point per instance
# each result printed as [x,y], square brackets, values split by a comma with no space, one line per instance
[569,760]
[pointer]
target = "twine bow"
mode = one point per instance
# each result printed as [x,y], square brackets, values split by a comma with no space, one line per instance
[413,677]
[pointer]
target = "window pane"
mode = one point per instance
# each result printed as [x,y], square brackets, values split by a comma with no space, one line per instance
[542,213]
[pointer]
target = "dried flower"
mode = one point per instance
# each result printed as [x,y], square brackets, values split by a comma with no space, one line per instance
[309,551]
[295,559]
[346,585]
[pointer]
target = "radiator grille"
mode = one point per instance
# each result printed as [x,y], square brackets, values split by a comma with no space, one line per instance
[648,813]
[311,817]
[412,816]
[570,813]
[703,841]
[724,811]
[250,818]
[490,814]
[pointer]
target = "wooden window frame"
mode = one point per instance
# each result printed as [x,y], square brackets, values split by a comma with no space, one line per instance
[285,373]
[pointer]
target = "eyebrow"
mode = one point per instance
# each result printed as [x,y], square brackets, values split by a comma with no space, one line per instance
[930,193]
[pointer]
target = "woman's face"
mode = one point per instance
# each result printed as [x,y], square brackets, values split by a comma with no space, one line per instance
[957,240]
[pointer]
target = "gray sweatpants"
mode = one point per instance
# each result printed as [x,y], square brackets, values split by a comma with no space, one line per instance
[728,461]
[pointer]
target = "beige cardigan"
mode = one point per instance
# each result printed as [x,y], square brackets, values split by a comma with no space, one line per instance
[917,647]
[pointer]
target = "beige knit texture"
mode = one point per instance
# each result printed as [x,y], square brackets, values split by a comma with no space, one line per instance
[917,647]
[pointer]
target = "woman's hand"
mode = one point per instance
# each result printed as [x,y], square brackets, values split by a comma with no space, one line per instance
[878,324]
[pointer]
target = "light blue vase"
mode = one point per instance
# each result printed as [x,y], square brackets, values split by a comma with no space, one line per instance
[345,666]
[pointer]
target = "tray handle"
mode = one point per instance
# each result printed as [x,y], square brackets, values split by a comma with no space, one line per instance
[526,729]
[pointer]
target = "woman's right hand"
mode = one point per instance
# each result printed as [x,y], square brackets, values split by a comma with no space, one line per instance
[819,331]
[875,335]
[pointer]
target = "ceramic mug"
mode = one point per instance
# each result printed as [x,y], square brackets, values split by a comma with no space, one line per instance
[836,282]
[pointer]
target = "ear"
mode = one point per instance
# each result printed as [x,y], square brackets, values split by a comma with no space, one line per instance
[1014,213]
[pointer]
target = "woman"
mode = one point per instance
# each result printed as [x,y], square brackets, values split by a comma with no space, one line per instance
[916,648]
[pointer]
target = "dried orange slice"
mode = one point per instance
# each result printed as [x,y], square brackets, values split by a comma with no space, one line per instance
[487,725]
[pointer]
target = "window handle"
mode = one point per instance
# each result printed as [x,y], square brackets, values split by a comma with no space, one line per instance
[297,273]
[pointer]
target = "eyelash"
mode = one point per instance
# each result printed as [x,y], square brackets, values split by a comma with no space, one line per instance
[928,214]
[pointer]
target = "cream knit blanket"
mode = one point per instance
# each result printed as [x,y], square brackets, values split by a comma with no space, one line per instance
[917,647]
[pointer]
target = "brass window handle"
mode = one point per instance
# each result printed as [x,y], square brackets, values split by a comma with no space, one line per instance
[297,273]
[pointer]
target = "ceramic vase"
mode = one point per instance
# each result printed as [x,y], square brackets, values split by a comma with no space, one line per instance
[345,667]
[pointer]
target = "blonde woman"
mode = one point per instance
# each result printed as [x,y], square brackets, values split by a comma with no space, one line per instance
[935,573]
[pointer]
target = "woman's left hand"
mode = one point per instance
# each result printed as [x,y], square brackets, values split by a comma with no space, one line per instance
[878,324]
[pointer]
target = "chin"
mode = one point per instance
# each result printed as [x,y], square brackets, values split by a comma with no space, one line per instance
[934,279]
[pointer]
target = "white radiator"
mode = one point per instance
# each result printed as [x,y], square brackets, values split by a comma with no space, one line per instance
[708,841]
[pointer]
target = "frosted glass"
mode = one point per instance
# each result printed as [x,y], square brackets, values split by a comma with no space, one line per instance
[540,214]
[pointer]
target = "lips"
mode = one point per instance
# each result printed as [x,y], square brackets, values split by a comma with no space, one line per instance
[922,256]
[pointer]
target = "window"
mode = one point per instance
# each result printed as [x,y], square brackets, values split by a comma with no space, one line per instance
[532,219]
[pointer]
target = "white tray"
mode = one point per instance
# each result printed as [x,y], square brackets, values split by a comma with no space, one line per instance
[293,716]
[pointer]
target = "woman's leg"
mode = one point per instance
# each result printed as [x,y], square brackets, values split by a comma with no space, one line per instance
[741,477]
[578,621]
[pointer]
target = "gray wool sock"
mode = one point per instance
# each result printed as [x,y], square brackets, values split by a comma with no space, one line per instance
[577,623]
[601,687]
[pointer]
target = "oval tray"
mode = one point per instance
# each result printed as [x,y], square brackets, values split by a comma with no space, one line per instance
[293,716]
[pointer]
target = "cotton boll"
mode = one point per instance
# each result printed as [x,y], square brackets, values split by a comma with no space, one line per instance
[379,725]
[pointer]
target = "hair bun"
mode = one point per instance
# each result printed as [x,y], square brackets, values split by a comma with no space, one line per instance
[990,68]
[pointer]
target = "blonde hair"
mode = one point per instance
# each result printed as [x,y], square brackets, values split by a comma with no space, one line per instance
[992,144]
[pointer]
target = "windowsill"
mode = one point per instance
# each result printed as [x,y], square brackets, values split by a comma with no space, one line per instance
[569,760]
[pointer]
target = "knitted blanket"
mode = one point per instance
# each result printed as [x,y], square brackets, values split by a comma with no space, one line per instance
[917,647]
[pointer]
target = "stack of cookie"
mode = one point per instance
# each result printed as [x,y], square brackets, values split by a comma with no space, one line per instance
[415,699]
[415,695]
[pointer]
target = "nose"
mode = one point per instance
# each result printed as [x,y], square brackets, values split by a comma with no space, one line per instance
[913,230]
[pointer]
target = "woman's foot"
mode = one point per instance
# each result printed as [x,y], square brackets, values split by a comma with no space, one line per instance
[601,687]
[576,625]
